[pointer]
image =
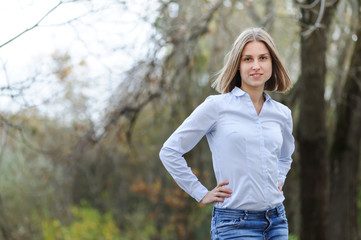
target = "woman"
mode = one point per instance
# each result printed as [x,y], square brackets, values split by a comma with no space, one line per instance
[250,137]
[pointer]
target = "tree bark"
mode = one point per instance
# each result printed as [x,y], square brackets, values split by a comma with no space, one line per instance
[4,228]
[345,155]
[311,131]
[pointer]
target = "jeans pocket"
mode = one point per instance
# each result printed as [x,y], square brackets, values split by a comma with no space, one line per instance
[224,224]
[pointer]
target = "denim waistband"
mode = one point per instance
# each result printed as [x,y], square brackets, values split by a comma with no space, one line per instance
[240,213]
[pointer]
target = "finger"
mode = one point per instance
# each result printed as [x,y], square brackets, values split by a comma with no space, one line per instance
[225,190]
[218,199]
[222,192]
[221,183]
[224,195]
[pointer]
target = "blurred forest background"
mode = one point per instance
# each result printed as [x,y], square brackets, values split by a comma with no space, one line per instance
[65,174]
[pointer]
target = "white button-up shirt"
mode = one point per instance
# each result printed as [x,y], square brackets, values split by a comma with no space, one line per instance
[253,152]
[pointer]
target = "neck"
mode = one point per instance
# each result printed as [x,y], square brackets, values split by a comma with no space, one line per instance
[256,95]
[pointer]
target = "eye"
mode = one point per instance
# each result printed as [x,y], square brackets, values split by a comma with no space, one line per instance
[264,58]
[247,59]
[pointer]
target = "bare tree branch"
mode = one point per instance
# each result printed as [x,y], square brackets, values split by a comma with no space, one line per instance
[307,6]
[203,23]
[34,26]
[267,19]
[143,85]
[318,20]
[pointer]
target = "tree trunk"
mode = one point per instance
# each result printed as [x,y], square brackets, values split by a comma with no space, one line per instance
[312,140]
[345,155]
[4,228]
[311,131]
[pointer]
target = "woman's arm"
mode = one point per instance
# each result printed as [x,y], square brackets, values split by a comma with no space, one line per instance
[288,146]
[188,134]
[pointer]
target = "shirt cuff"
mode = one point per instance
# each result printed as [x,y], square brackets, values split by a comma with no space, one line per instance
[199,193]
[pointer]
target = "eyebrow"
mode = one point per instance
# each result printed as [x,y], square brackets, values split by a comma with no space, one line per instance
[263,54]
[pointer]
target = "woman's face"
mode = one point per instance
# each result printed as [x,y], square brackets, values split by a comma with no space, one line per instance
[256,66]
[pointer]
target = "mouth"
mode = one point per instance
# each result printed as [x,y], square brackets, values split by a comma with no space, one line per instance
[256,74]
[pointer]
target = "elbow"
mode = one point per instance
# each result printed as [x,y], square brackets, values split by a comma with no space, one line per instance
[168,155]
[162,154]
[165,157]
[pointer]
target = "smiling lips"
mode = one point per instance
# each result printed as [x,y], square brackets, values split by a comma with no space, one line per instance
[256,75]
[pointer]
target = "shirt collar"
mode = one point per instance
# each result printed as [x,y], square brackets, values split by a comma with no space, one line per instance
[239,92]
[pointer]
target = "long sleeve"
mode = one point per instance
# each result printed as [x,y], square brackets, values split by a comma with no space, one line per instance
[188,134]
[288,146]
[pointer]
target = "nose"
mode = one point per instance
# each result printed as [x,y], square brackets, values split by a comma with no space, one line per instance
[255,65]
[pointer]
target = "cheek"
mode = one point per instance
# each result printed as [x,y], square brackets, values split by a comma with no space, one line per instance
[243,75]
[269,73]
[269,70]
[243,70]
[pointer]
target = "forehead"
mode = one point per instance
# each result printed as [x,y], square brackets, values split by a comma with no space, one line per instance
[255,48]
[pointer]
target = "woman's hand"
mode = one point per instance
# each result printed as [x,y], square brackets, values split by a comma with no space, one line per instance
[217,194]
[280,186]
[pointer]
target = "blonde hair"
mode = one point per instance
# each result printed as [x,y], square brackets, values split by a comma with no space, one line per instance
[229,76]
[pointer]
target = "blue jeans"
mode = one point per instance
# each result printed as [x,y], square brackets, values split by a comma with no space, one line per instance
[242,224]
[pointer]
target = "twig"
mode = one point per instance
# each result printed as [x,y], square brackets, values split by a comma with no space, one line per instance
[318,20]
[205,19]
[34,26]
[308,6]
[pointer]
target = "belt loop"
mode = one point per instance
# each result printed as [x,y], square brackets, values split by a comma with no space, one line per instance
[278,209]
[245,217]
